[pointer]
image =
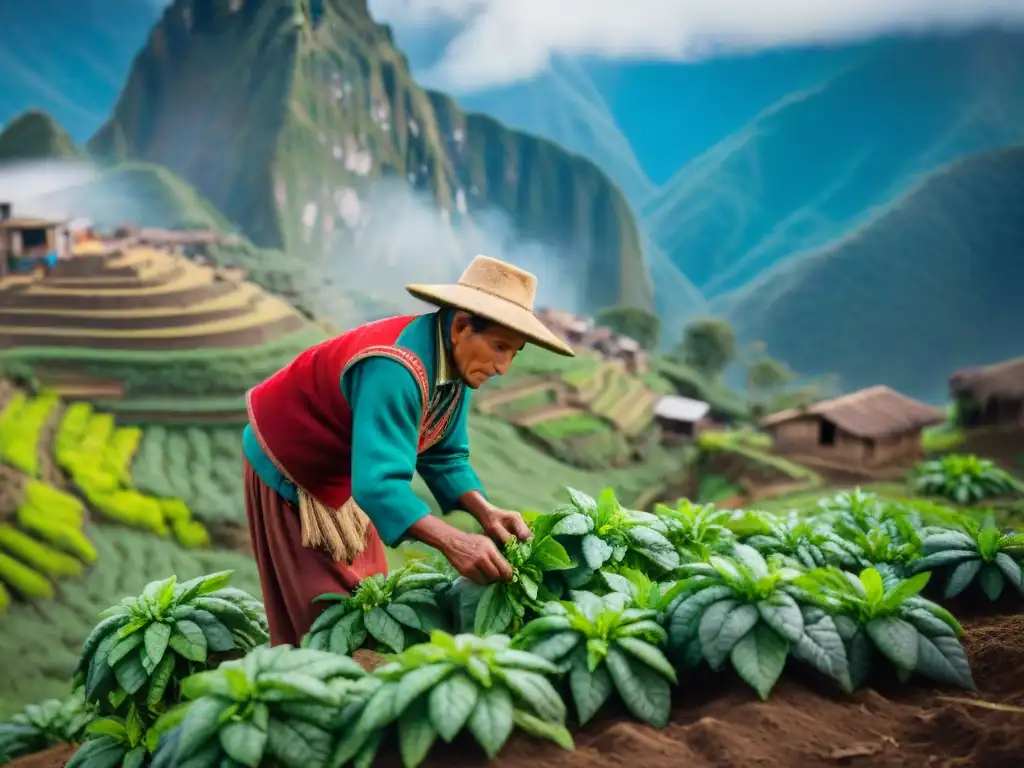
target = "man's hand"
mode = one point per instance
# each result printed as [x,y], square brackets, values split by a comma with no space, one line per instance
[477,558]
[503,524]
[500,524]
[474,556]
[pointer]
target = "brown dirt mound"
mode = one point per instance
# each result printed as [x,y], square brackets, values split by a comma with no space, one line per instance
[718,723]
[54,757]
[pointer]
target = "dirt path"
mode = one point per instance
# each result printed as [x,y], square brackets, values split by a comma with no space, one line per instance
[488,403]
[548,413]
[49,472]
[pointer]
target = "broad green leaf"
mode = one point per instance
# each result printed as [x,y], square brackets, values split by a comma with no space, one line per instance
[385,629]
[536,691]
[288,686]
[135,757]
[379,710]
[722,626]
[1011,570]
[961,577]
[418,681]
[451,702]
[551,556]
[992,581]
[516,659]
[943,559]
[328,617]
[821,646]
[243,742]
[903,591]
[896,639]
[201,722]
[643,651]
[873,586]
[108,726]
[781,613]
[590,690]
[422,617]
[942,659]
[684,620]
[156,638]
[576,524]
[494,612]
[491,722]
[159,680]
[582,501]
[541,729]
[596,552]
[131,675]
[188,640]
[555,647]
[645,693]
[348,633]
[759,658]
[416,735]
[124,647]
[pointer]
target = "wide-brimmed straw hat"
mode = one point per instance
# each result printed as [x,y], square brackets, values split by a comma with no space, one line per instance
[499,292]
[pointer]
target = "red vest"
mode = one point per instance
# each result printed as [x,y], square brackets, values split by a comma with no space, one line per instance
[301,418]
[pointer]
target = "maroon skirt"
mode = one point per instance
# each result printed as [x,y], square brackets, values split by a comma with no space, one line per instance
[291,575]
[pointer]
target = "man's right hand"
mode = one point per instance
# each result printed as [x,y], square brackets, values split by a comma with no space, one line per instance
[472,555]
[477,558]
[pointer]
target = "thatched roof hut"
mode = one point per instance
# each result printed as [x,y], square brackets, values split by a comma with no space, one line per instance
[992,395]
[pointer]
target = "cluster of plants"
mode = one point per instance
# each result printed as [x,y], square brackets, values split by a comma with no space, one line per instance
[21,425]
[604,603]
[964,479]
[97,455]
[44,541]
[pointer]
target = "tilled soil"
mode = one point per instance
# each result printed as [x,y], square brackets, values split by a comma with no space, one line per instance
[718,722]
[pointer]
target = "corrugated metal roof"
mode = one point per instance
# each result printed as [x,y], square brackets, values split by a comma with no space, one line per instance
[676,408]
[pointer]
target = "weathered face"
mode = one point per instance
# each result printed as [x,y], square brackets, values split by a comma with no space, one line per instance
[479,355]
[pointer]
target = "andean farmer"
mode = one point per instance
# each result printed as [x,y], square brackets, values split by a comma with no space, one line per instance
[335,438]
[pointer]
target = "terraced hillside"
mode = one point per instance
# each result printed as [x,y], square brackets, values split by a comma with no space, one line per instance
[585,411]
[147,333]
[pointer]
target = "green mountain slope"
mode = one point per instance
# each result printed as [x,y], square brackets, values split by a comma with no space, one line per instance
[35,136]
[932,283]
[284,118]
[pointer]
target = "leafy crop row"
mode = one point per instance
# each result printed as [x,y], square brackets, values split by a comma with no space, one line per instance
[44,541]
[98,455]
[21,425]
[605,603]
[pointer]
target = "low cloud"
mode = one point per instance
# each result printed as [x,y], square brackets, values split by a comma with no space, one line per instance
[407,239]
[504,41]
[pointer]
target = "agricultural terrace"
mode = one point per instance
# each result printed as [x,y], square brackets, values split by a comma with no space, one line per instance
[780,640]
[148,332]
[584,411]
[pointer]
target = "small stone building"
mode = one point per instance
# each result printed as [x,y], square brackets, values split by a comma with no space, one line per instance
[990,396]
[28,243]
[678,416]
[870,428]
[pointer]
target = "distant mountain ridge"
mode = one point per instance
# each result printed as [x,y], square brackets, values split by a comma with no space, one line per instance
[931,284]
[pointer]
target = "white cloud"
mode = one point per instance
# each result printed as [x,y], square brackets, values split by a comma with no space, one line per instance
[502,41]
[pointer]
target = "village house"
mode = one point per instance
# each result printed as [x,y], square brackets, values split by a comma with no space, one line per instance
[679,417]
[870,428]
[582,333]
[990,396]
[30,243]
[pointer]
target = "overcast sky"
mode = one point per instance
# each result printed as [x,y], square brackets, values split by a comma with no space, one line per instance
[502,41]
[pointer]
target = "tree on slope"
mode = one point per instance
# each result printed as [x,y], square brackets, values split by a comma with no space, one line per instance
[642,326]
[708,346]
